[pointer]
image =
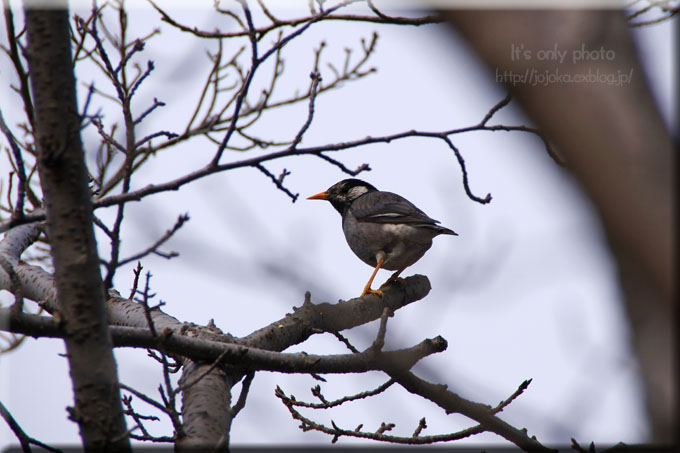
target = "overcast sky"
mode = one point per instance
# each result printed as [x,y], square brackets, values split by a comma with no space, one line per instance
[527,289]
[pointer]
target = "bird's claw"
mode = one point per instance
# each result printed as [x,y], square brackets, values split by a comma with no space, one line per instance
[377,292]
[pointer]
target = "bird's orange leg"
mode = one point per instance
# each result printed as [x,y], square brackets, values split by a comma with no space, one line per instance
[367,289]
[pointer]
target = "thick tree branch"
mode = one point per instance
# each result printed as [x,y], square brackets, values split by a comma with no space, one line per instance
[238,355]
[64,180]
[310,319]
[622,155]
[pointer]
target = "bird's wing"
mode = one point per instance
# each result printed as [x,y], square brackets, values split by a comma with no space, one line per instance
[387,207]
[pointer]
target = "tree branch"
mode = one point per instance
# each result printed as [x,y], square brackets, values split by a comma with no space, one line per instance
[382,19]
[453,403]
[24,439]
[64,180]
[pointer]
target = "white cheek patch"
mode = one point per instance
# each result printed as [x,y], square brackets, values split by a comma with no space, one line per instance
[356,191]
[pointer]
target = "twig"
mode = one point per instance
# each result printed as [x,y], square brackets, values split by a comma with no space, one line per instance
[167,393]
[481,413]
[503,404]
[138,418]
[144,397]
[359,169]
[24,89]
[422,424]
[380,338]
[466,183]
[345,341]
[308,425]
[403,20]
[416,21]
[19,165]
[658,20]
[505,101]
[319,151]
[203,374]
[137,272]
[108,139]
[245,387]
[153,248]
[24,439]
[243,92]
[329,404]
[279,181]
[316,80]
[154,106]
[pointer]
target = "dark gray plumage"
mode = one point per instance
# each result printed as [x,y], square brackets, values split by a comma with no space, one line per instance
[385,230]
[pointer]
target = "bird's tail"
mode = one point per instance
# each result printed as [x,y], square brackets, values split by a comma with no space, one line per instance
[444,230]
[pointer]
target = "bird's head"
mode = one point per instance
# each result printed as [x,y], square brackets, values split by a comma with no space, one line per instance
[342,194]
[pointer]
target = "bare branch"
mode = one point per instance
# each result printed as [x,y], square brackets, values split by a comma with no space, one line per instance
[359,169]
[329,404]
[422,424]
[137,272]
[666,12]
[24,88]
[243,92]
[19,166]
[154,106]
[316,79]
[403,20]
[416,21]
[503,404]
[337,432]
[243,356]
[144,397]
[245,387]
[505,101]
[481,413]
[205,372]
[162,240]
[345,341]
[24,439]
[319,151]
[380,338]
[279,181]
[466,184]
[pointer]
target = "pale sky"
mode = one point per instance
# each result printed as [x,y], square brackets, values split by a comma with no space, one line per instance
[528,289]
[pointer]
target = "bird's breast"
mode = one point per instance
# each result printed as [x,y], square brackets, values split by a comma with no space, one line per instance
[402,244]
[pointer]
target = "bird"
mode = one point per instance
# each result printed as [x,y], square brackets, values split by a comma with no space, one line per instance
[383,229]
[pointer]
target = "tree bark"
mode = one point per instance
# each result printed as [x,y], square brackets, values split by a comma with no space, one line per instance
[64,180]
[617,146]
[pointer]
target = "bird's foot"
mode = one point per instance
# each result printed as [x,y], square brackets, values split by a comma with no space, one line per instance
[377,292]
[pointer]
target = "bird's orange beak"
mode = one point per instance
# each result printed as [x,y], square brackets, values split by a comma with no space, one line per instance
[319,196]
